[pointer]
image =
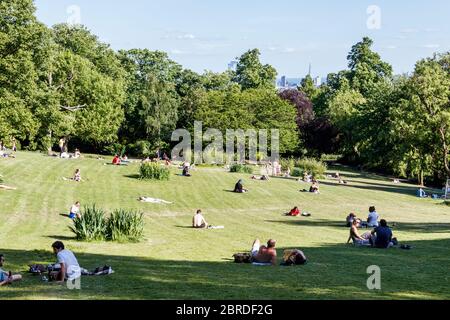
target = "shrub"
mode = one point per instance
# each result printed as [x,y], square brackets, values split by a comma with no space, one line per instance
[241,168]
[330,157]
[287,164]
[312,166]
[153,171]
[124,226]
[91,226]
[297,172]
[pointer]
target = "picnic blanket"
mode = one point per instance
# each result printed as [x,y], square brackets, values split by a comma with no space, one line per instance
[154,200]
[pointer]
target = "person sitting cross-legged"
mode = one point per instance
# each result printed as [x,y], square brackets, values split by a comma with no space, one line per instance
[358,240]
[264,254]
[198,221]
[382,236]
[294,212]
[69,267]
[7,278]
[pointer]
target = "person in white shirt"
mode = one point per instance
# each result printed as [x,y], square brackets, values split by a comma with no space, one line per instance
[198,221]
[75,211]
[70,269]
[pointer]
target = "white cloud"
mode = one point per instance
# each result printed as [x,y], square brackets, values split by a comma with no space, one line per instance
[391,47]
[432,46]
[409,30]
[177,52]
[187,36]
[289,50]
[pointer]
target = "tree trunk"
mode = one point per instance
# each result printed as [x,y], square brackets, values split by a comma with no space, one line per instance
[445,149]
[49,148]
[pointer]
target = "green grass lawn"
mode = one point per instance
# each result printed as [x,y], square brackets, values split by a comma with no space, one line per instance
[177,262]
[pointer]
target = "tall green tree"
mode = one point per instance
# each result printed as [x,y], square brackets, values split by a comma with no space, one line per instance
[252,74]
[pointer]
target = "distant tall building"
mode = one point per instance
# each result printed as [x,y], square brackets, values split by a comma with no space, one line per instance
[283,82]
[232,65]
[317,81]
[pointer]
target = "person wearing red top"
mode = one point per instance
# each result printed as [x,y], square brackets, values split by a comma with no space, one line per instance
[294,212]
[263,254]
[116,160]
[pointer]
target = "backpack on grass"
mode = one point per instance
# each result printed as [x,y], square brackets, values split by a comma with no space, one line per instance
[242,258]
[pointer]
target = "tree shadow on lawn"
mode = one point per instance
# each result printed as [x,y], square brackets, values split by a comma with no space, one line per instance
[411,191]
[332,272]
[133,176]
[399,226]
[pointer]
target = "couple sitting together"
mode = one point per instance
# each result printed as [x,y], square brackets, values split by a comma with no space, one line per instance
[380,237]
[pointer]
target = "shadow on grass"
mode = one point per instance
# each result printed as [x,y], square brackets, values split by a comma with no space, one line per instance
[396,226]
[133,176]
[411,191]
[334,271]
[62,238]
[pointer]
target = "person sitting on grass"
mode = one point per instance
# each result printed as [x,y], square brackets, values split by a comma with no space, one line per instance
[77,176]
[7,278]
[239,187]
[70,269]
[372,219]
[77,154]
[116,160]
[264,254]
[358,240]
[198,221]
[314,188]
[421,193]
[350,218]
[75,211]
[186,171]
[294,212]
[382,236]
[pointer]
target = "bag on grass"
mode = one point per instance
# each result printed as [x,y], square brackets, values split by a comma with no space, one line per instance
[37,269]
[242,258]
[294,257]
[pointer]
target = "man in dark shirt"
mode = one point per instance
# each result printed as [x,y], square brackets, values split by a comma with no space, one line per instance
[382,235]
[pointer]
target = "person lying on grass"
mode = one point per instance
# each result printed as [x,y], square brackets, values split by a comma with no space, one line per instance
[239,187]
[2,186]
[263,178]
[7,278]
[382,236]
[70,269]
[294,212]
[198,221]
[358,240]
[264,254]
[75,211]
[76,176]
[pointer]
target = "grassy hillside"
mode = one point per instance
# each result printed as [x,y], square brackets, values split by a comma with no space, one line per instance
[177,262]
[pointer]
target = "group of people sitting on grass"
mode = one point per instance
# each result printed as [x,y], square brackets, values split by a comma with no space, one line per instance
[422,194]
[65,268]
[381,235]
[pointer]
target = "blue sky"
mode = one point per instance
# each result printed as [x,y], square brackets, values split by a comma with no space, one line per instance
[208,34]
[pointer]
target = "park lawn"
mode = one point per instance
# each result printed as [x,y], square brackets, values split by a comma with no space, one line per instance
[177,262]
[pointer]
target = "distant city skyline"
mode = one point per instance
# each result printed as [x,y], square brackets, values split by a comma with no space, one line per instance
[208,35]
